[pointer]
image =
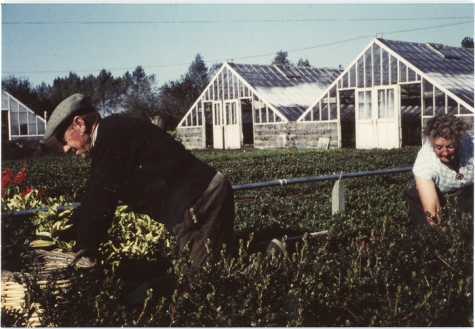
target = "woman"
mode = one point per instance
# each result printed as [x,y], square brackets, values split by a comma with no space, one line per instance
[444,166]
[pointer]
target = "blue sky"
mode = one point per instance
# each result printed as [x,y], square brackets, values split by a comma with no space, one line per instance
[45,41]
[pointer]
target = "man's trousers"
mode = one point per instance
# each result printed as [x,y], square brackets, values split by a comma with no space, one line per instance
[211,217]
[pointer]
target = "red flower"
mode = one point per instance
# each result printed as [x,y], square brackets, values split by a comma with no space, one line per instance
[27,190]
[20,177]
[6,179]
[18,181]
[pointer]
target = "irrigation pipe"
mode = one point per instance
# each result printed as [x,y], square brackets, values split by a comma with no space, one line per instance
[280,182]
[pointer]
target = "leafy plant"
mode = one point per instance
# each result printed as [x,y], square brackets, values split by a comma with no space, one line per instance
[376,270]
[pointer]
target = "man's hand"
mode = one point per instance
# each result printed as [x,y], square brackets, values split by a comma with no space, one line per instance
[78,194]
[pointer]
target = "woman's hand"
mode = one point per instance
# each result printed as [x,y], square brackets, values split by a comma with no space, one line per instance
[429,199]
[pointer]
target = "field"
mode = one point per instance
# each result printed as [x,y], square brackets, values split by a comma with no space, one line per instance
[376,270]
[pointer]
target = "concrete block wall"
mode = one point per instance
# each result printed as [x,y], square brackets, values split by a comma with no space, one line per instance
[294,134]
[310,132]
[191,137]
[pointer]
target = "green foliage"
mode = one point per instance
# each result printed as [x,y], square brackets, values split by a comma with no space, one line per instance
[136,94]
[281,58]
[134,237]
[376,270]
[467,42]
[49,224]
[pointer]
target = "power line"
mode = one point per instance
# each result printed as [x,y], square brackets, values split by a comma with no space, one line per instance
[253,56]
[234,21]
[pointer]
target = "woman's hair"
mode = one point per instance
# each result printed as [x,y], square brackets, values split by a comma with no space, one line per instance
[446,126]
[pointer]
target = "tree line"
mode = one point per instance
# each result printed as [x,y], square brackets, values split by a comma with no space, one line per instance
[134,93]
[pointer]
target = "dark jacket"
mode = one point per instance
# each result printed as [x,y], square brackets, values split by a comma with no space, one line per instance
[140,164]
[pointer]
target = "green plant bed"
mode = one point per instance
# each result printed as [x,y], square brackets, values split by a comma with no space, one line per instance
[376,270]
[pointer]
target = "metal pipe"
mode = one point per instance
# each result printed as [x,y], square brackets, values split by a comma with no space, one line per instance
[280,182]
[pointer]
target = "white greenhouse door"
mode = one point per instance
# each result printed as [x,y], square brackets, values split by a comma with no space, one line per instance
[365,136]
[387,123]
[218,138]
[232,127]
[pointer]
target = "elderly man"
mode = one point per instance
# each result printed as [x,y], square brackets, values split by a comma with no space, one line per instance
[139,163]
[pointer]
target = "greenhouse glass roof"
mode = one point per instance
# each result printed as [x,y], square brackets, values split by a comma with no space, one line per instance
[289,89]
[449,67]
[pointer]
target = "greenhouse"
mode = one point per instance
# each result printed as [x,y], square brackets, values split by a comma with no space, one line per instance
[255,104]
[382,99]
[19,122]
[391,89]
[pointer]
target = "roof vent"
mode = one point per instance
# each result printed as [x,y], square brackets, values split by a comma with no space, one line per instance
[294,76]
[445,52]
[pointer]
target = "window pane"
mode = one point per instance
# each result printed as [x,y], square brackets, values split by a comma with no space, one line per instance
[324,111]
[439,102]
[23,129]
[411,75]
[360,72]
[270,115]
[391,106]
[14,125]
[13,106]
[344,81]
[316,112]
[23,121]
[31,124]
[382,104]
[217,112]
[308,116]
[227,109]
[402,72]
[200,113]
[428,98]
[353,76]
[464,110]
[215,89]
[385,64]
[452,106]
[368,105]
[236,87]
[257,115]
[393,70]
[264,113]
[193,119]
[225,84]
[377,64]
[235,113]
[361,110]
[220,87]
[333,110]
[4,101]
[368,69]
[41,127]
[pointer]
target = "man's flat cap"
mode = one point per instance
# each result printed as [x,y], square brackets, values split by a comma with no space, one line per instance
[64,113]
